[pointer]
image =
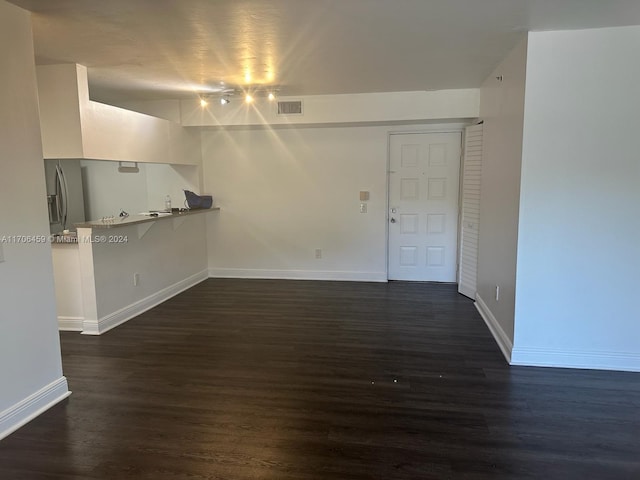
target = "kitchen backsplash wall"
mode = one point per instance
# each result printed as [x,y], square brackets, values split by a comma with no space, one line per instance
[107,191]
[163,180]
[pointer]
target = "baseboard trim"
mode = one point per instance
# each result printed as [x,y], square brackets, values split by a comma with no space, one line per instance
[26,410]
[542,357]
[501,338]
[70,324]
[118,317]
[298,275]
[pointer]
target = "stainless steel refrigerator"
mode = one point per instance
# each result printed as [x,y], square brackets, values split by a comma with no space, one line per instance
[65,197]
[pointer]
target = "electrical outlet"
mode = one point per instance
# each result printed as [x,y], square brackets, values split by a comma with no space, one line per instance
[497,293]
[363,208]
[318,253]
[136,279]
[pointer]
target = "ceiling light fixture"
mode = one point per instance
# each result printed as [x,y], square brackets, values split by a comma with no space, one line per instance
[248,98]
[271,97]
[203,102]
[225,100]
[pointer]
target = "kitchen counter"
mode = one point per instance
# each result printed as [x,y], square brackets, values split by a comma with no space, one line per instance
[112,271]
[137,219]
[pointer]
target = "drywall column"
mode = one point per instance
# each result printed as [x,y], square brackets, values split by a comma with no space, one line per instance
[579,234]
[30,365]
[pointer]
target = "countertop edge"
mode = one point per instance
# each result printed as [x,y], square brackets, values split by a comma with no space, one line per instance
[138,219]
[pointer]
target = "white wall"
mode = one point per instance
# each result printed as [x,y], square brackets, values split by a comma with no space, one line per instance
[68,282]
[579,247]
[441,105]
[167,109]
[286,192]
[502,109]
[30,365]
[107,190]
[59,103]
[73,126]
[172,180]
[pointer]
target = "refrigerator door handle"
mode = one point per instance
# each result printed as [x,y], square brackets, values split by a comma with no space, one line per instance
[58,194]
[52,204]
[61,186]
[65,198]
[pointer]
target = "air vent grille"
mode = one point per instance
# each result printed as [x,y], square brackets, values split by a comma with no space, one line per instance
[290,107]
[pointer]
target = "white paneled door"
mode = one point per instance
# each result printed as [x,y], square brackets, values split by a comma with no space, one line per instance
[423,206]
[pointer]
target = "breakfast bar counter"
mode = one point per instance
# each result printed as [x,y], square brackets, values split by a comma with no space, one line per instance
[113,222]
[114,269]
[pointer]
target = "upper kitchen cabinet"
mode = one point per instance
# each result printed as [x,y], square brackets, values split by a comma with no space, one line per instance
[73,126]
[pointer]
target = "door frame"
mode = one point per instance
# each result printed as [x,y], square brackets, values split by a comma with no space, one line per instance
[457,127]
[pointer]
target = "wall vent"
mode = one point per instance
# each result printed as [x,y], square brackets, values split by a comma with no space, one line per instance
[293,107]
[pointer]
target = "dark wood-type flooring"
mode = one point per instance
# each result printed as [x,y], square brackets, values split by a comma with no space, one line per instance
[284,380]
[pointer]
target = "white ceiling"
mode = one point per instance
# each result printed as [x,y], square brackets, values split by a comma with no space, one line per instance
[170,48]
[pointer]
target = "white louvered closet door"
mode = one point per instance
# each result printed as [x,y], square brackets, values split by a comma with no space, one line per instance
[470,211]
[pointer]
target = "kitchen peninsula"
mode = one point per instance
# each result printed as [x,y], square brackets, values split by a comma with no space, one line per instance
[118,268]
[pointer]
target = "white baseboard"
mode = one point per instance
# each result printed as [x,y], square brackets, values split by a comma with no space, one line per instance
[70,324]
[26,410]
[118,317]
[298,274]
[544,357]
[501,338]
[539,357]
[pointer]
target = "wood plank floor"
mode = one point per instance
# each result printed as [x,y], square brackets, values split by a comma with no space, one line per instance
[265,379]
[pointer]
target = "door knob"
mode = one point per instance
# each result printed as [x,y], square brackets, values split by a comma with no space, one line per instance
[393,220]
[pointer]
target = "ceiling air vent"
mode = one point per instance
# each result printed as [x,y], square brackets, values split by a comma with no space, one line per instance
[290,108]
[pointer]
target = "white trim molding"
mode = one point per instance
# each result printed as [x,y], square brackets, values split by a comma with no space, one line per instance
[298,275]
[546,357]
[112,320]
[29,408]
[543,357]
[70,324]
[501,338]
